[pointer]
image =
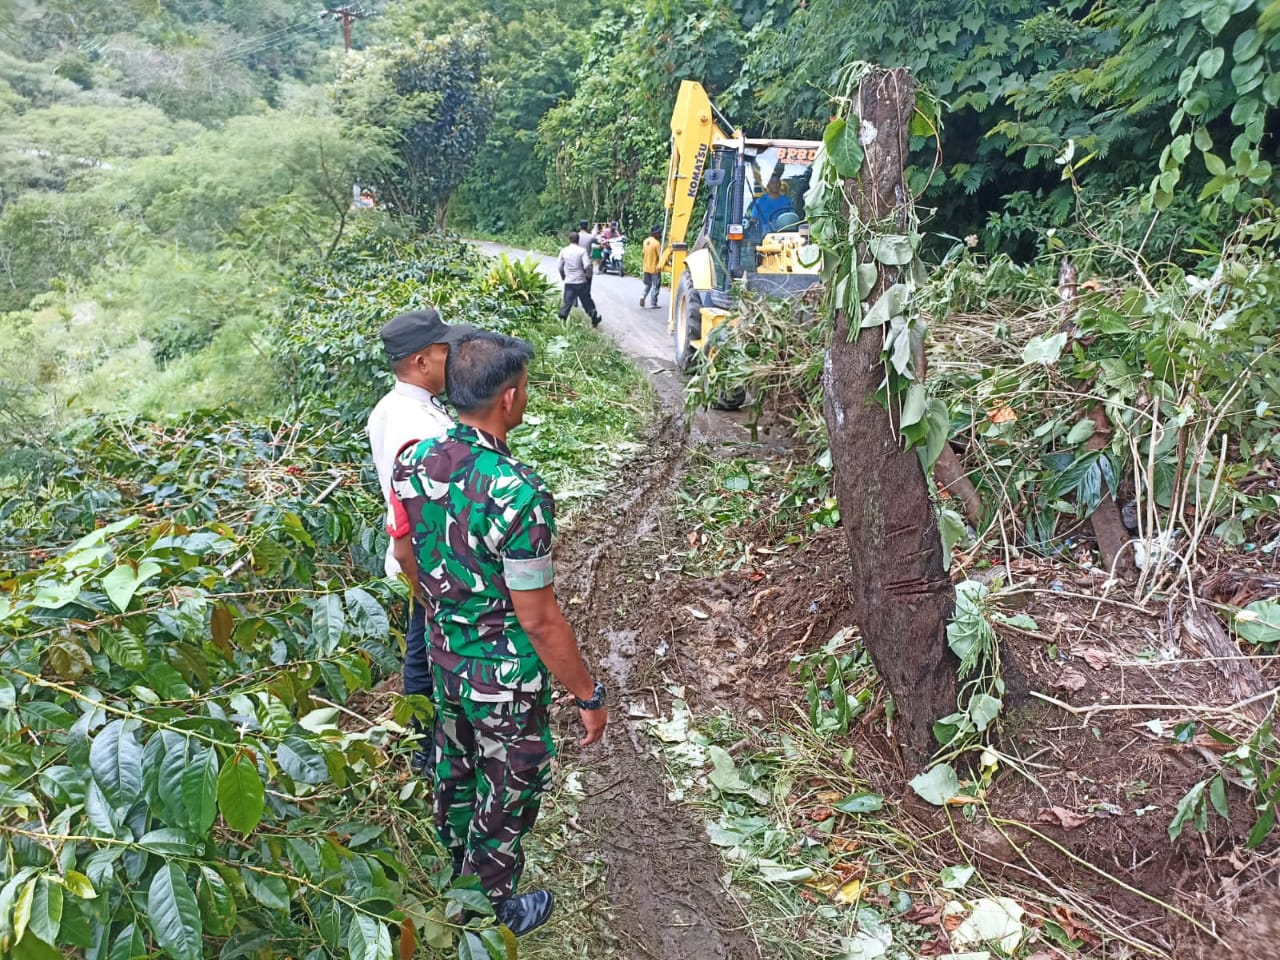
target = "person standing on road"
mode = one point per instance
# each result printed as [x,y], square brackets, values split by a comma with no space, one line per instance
[652,254]
[590,242]
[481,524]
[416,344]
[575,271]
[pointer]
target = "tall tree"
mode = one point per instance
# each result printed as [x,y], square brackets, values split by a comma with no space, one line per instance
[430,101]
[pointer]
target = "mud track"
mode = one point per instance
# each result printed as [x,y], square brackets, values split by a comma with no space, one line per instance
[662,876]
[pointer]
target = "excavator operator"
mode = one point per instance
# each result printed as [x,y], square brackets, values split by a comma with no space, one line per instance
[767,207]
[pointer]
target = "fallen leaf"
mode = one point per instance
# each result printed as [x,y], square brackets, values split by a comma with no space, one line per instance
[937,947]
[1067,819]
[1002,414]
[697,614]
[1071,680]
[693,538]
[1096,658]
[924,914]
[848,892]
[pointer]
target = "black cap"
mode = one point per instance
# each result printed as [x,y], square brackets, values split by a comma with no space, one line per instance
[655,229]
[417,330]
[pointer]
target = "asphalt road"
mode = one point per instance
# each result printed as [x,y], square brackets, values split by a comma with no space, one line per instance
[639,332]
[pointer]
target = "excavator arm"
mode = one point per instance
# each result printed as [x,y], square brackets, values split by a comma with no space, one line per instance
[694,132]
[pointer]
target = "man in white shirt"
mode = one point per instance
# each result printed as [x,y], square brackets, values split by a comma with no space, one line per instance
[417,344]
[575,271]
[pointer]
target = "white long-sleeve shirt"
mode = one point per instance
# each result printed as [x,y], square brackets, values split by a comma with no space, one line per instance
[406,413]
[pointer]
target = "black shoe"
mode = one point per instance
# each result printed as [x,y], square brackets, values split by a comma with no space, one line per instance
[595,321]
[420,762]
[525,912]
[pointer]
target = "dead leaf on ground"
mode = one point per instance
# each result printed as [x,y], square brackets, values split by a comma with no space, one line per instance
[696,613]
[1072,927]
[1070,680]
[693,538]
[937,947]
[1067,819]
[924,914]
[848,892]
[1097,658]
[1002,414]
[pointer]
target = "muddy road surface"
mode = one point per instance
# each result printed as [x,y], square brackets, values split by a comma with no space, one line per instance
[662,875]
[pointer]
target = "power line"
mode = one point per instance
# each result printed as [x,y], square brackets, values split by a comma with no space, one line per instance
[292,34]
[347,15]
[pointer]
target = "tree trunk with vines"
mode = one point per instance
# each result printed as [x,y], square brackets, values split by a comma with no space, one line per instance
[902,596]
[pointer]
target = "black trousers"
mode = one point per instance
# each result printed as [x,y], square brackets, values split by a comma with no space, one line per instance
[417,665]
[578,293]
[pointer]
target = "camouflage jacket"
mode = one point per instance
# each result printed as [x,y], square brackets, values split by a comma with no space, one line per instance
[482,525]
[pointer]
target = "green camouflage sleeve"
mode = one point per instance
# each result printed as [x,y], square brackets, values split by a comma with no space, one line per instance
[526,549]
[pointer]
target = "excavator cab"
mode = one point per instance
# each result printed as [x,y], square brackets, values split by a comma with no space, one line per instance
[753,229]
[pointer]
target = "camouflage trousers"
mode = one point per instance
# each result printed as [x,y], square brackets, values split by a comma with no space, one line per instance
[493,763]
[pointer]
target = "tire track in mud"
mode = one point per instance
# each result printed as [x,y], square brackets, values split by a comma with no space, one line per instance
[662,875]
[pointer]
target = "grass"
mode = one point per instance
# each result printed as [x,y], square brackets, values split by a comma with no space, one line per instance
[547,243]
[588,408]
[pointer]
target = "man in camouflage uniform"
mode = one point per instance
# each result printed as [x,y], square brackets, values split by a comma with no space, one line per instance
[481,525]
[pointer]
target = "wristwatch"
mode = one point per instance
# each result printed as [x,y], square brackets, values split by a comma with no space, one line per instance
[596,701]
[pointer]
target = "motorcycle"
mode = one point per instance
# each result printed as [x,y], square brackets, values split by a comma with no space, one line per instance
[611,257]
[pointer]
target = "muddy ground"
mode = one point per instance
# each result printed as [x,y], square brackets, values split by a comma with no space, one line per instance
[1095,761]
[1079,813]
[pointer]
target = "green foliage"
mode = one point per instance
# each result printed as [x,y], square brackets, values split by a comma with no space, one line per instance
[587,402]
[606,158]
[535,51]
[971,637]
[835,679]
[429,101]
[1176,364]
[188,784]
[1251,764]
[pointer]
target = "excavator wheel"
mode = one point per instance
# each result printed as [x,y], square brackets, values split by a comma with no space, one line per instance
[688,307]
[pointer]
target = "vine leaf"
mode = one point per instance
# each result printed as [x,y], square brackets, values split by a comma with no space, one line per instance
[174,915]
[115,761]
[893,249]
[841,141]
[241,795]
[937,785]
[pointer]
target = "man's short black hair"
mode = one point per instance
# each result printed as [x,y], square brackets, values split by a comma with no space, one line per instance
[481,365]
[583,225]
[573,236]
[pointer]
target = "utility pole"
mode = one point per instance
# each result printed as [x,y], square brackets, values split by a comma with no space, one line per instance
[347,14]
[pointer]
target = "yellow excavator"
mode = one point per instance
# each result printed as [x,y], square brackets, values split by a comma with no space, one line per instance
[753,229]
